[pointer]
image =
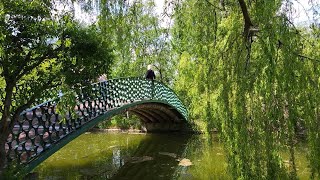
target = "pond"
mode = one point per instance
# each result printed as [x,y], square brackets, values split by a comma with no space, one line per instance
[143,156]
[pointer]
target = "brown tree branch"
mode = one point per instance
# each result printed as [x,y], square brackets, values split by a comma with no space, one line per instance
[248,29]
[245,13]
[306,57]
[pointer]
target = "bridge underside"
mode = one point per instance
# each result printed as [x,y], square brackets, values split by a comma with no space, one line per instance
[159,117]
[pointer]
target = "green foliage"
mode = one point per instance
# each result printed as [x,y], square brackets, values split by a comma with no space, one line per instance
[138,38]
[13,171]
[43,52]
[259,91]
[195,43]
[89,55]
[122,122]
[310,110]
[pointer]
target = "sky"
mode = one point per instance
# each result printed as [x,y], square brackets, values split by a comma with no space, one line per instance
[301,15]
[302,10]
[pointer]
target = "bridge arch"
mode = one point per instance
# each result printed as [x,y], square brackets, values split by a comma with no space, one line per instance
[40,131]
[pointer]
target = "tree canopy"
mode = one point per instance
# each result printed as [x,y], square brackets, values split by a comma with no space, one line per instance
[257,80]
[42,52]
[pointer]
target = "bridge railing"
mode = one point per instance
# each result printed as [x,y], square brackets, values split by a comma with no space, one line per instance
[41,126]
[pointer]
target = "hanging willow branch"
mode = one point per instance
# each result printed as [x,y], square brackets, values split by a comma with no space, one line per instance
[280,44]
[214,5]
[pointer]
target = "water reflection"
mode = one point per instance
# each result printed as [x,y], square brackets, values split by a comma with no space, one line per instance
[156,157]
[145,156]
[118,156]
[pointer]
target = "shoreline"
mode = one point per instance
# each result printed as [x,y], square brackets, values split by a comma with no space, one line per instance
[139,131]
[117,130]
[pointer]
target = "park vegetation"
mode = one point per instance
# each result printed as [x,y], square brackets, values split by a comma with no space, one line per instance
[243,67]
[43,51]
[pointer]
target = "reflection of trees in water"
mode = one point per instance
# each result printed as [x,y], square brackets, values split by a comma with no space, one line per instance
[161,164]
[193,145]
[152,156]
[206,154]
[116,158]
[109,166]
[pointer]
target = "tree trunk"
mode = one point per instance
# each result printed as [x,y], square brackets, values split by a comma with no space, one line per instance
[3,157]
[5,126]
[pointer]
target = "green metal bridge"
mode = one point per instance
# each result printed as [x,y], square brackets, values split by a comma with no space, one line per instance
[41,131]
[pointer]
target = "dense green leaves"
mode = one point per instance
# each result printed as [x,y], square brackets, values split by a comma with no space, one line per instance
[138,37]
[42,52]
[255,87]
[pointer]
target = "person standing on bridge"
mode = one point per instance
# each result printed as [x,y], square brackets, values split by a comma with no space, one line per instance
[150,73]
[151,76]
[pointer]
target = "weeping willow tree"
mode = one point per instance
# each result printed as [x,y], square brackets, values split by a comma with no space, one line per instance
[138,30]
[245,68]
[138,37]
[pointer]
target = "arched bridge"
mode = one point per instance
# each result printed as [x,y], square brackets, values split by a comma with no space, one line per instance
[41,130]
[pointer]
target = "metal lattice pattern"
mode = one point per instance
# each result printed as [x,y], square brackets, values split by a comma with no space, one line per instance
[40,127]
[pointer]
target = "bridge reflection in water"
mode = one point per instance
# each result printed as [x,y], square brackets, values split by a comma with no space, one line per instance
[41,131]
[120,156]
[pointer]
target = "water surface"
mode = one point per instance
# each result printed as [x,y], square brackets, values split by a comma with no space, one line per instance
[143,156]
